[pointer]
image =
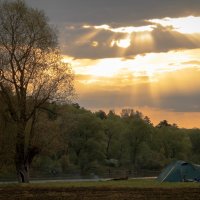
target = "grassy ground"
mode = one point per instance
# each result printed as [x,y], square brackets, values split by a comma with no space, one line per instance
[104,190]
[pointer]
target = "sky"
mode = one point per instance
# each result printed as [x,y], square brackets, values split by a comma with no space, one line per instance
[140,54]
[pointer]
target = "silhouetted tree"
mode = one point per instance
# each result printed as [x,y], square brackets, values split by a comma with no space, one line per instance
[101,114]
[31,73]
[163,123]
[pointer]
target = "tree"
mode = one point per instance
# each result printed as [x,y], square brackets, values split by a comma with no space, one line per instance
[173,143]
[163,123]
[194,135]
[6,140]
[84,135]
[101,114]
[112,130]
[31,73]
[138,132]
[114,133]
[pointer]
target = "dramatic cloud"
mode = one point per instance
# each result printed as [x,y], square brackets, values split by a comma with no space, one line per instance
[107,42]
[151,64]
[114,11]
[104,29]
[132,53]
[187,25]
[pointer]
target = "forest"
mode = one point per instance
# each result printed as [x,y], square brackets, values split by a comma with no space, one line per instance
[70,140]
[44,133]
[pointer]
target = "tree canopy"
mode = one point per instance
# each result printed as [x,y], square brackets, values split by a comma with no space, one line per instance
[31,73]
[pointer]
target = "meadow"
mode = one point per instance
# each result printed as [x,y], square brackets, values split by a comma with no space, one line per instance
[104,190]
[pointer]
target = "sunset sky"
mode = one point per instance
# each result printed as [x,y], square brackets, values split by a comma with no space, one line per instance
[140,54]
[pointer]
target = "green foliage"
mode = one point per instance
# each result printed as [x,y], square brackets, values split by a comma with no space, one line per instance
[73,139]
[82,132]
[194,136]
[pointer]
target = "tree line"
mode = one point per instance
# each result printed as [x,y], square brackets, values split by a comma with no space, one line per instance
[71,138]
[40,130]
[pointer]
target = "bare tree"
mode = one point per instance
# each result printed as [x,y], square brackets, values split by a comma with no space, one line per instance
[31,73]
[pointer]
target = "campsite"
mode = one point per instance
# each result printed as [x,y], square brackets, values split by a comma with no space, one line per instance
[99,99]
[180,171]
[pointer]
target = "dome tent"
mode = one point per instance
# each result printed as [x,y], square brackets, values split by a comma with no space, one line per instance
[179,171]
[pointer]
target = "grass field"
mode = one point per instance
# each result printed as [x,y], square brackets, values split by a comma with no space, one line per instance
[104,190]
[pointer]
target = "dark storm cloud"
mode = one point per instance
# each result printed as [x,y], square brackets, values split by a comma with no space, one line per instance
[114,11]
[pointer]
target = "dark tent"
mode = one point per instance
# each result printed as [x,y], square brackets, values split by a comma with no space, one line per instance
[179,171]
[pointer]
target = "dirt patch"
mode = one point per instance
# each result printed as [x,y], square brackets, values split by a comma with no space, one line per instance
[92,193]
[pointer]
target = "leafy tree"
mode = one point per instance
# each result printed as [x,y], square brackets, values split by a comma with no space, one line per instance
[173,143]
[163,123]
[138,132]
[31,73]
[194,136]
[110,132]
[125,113]
[7,139]
[148,121]
[82,135]
[195,139]
[113,131]
[101,114]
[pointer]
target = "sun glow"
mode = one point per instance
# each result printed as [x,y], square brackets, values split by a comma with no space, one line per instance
[187,25]
[140,66]
[143,34]
[142,39]
[150,65]
[126,29]
[123,43]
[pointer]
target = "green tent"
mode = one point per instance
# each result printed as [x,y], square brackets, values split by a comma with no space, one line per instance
[179,171]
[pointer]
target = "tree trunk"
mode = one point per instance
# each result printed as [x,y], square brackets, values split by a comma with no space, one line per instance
[23,173]
[108,147]
[22,166]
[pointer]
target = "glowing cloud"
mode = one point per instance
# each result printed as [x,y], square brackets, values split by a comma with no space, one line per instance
[185,25]
[123,43]
[94,44]
[151,65]
[128,29]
